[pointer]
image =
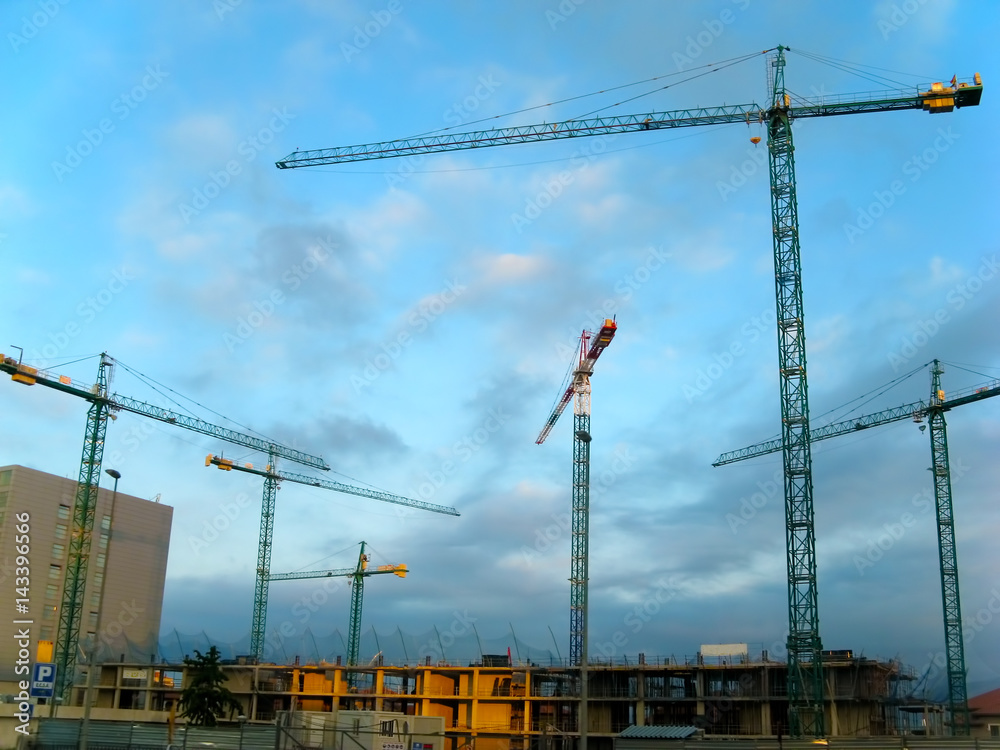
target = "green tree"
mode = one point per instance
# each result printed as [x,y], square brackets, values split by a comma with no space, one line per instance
[204,697]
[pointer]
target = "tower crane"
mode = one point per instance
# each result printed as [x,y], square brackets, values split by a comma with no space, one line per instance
[932,410]
[579,391]
[805,670]
[272,480]
[357,575]
[102,406]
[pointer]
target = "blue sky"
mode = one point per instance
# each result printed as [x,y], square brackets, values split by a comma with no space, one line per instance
[412,320]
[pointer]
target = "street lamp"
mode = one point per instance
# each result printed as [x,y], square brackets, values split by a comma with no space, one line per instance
[85,726]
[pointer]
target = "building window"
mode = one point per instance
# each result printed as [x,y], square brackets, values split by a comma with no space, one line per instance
[63,512]
[46,633]
[100,559]
[61,531]
[48,613]
[51,591]
[92,620]
[98,579]
[4,478]
[994,730]
[58,551]
[3,498]
[103,543]
[106,523]
[55,571]
[95,599]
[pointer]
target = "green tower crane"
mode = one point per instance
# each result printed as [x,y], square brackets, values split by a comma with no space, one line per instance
[805,670]
[578,390]
[932,410]
[357,575]
[103,405]
[272,478]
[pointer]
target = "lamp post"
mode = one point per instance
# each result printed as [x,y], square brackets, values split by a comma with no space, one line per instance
[85,726]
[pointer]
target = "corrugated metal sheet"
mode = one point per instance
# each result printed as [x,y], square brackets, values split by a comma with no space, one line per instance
[58,734]
[658,733]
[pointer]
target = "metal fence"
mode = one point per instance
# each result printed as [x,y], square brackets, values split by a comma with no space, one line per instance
[64,734]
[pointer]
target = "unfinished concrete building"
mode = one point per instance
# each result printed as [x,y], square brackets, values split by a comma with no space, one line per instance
[494,705]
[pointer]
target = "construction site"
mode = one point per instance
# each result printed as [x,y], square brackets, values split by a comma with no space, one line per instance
[478,700]
[492,705]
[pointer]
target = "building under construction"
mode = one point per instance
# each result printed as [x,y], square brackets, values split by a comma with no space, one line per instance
[493,704]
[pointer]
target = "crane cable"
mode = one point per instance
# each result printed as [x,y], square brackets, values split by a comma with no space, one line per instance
[313,565]
[869,397]
[722,64]
[958,366]
[858,70]
[150,382]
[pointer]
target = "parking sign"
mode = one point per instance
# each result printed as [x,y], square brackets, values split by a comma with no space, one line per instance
[43,680]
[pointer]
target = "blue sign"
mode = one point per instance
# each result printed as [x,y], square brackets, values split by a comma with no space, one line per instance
[43,680]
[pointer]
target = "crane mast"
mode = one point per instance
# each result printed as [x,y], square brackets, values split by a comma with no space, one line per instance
[102,406]
[805,676]
[958,699]
[579,392]
[78,558]
[932,410]
[805,660]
